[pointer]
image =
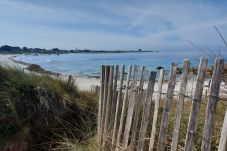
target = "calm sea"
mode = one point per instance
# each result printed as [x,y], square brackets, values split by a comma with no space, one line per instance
[89,64]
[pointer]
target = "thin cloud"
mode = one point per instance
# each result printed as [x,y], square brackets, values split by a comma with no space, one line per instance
[111,25]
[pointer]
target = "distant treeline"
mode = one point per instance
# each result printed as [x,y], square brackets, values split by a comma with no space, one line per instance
[15,49]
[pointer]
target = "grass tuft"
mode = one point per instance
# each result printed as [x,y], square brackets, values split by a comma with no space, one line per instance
[41,111]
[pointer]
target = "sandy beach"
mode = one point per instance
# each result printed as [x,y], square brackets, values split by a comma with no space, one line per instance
[85,82]
[6,61]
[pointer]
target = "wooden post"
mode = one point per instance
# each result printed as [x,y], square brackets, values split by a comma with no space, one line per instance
[123,107]
[108,102]
[146,111]
[134,95]
[100,107]
[107,72]
[92,88]
[69,83]
[180,104]
[139,101]
[117,106]
[95,89]
[156,108]
[223,139]
[212,104]
[133,99]
[166,110]
[196,102]
[135,76]
[114,100]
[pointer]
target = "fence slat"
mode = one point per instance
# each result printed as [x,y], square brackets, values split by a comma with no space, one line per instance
[123,108]
[146,111]
[131,104]
[114,97]
[166,110]
[109,99]
[196,102]
[100,106]
[212,104]
[70,81]
[138,99]
[156,108]
[135,76]
[104,135]
[117,106]
[223,140]
[180,104]
[95,89]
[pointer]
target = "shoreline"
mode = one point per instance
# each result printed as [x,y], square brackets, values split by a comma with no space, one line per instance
[38,68]
[86,82]
[48,72]
[82,82]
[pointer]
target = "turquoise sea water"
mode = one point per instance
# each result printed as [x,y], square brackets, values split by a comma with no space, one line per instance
[89,64]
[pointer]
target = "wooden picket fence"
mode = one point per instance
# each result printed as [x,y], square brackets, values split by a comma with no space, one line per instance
[126,109]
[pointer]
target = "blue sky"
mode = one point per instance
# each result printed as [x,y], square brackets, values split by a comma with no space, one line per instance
[112,24]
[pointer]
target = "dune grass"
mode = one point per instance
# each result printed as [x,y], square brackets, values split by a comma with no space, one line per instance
[220,113]
[40,113]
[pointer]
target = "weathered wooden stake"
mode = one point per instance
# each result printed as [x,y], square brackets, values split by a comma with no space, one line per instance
[123,108]
[132,101]
[107,73]
[156,108]
[223,140]
[146,111]
[196,102]
[70,79]
[117,107]
[180,104]
[108,102]
[212,104]
[100,107]
[135,76]
[166,110]
[95,89]
[138,102]
[114,97]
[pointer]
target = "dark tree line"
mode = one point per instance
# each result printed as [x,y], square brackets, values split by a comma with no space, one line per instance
[15,49]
